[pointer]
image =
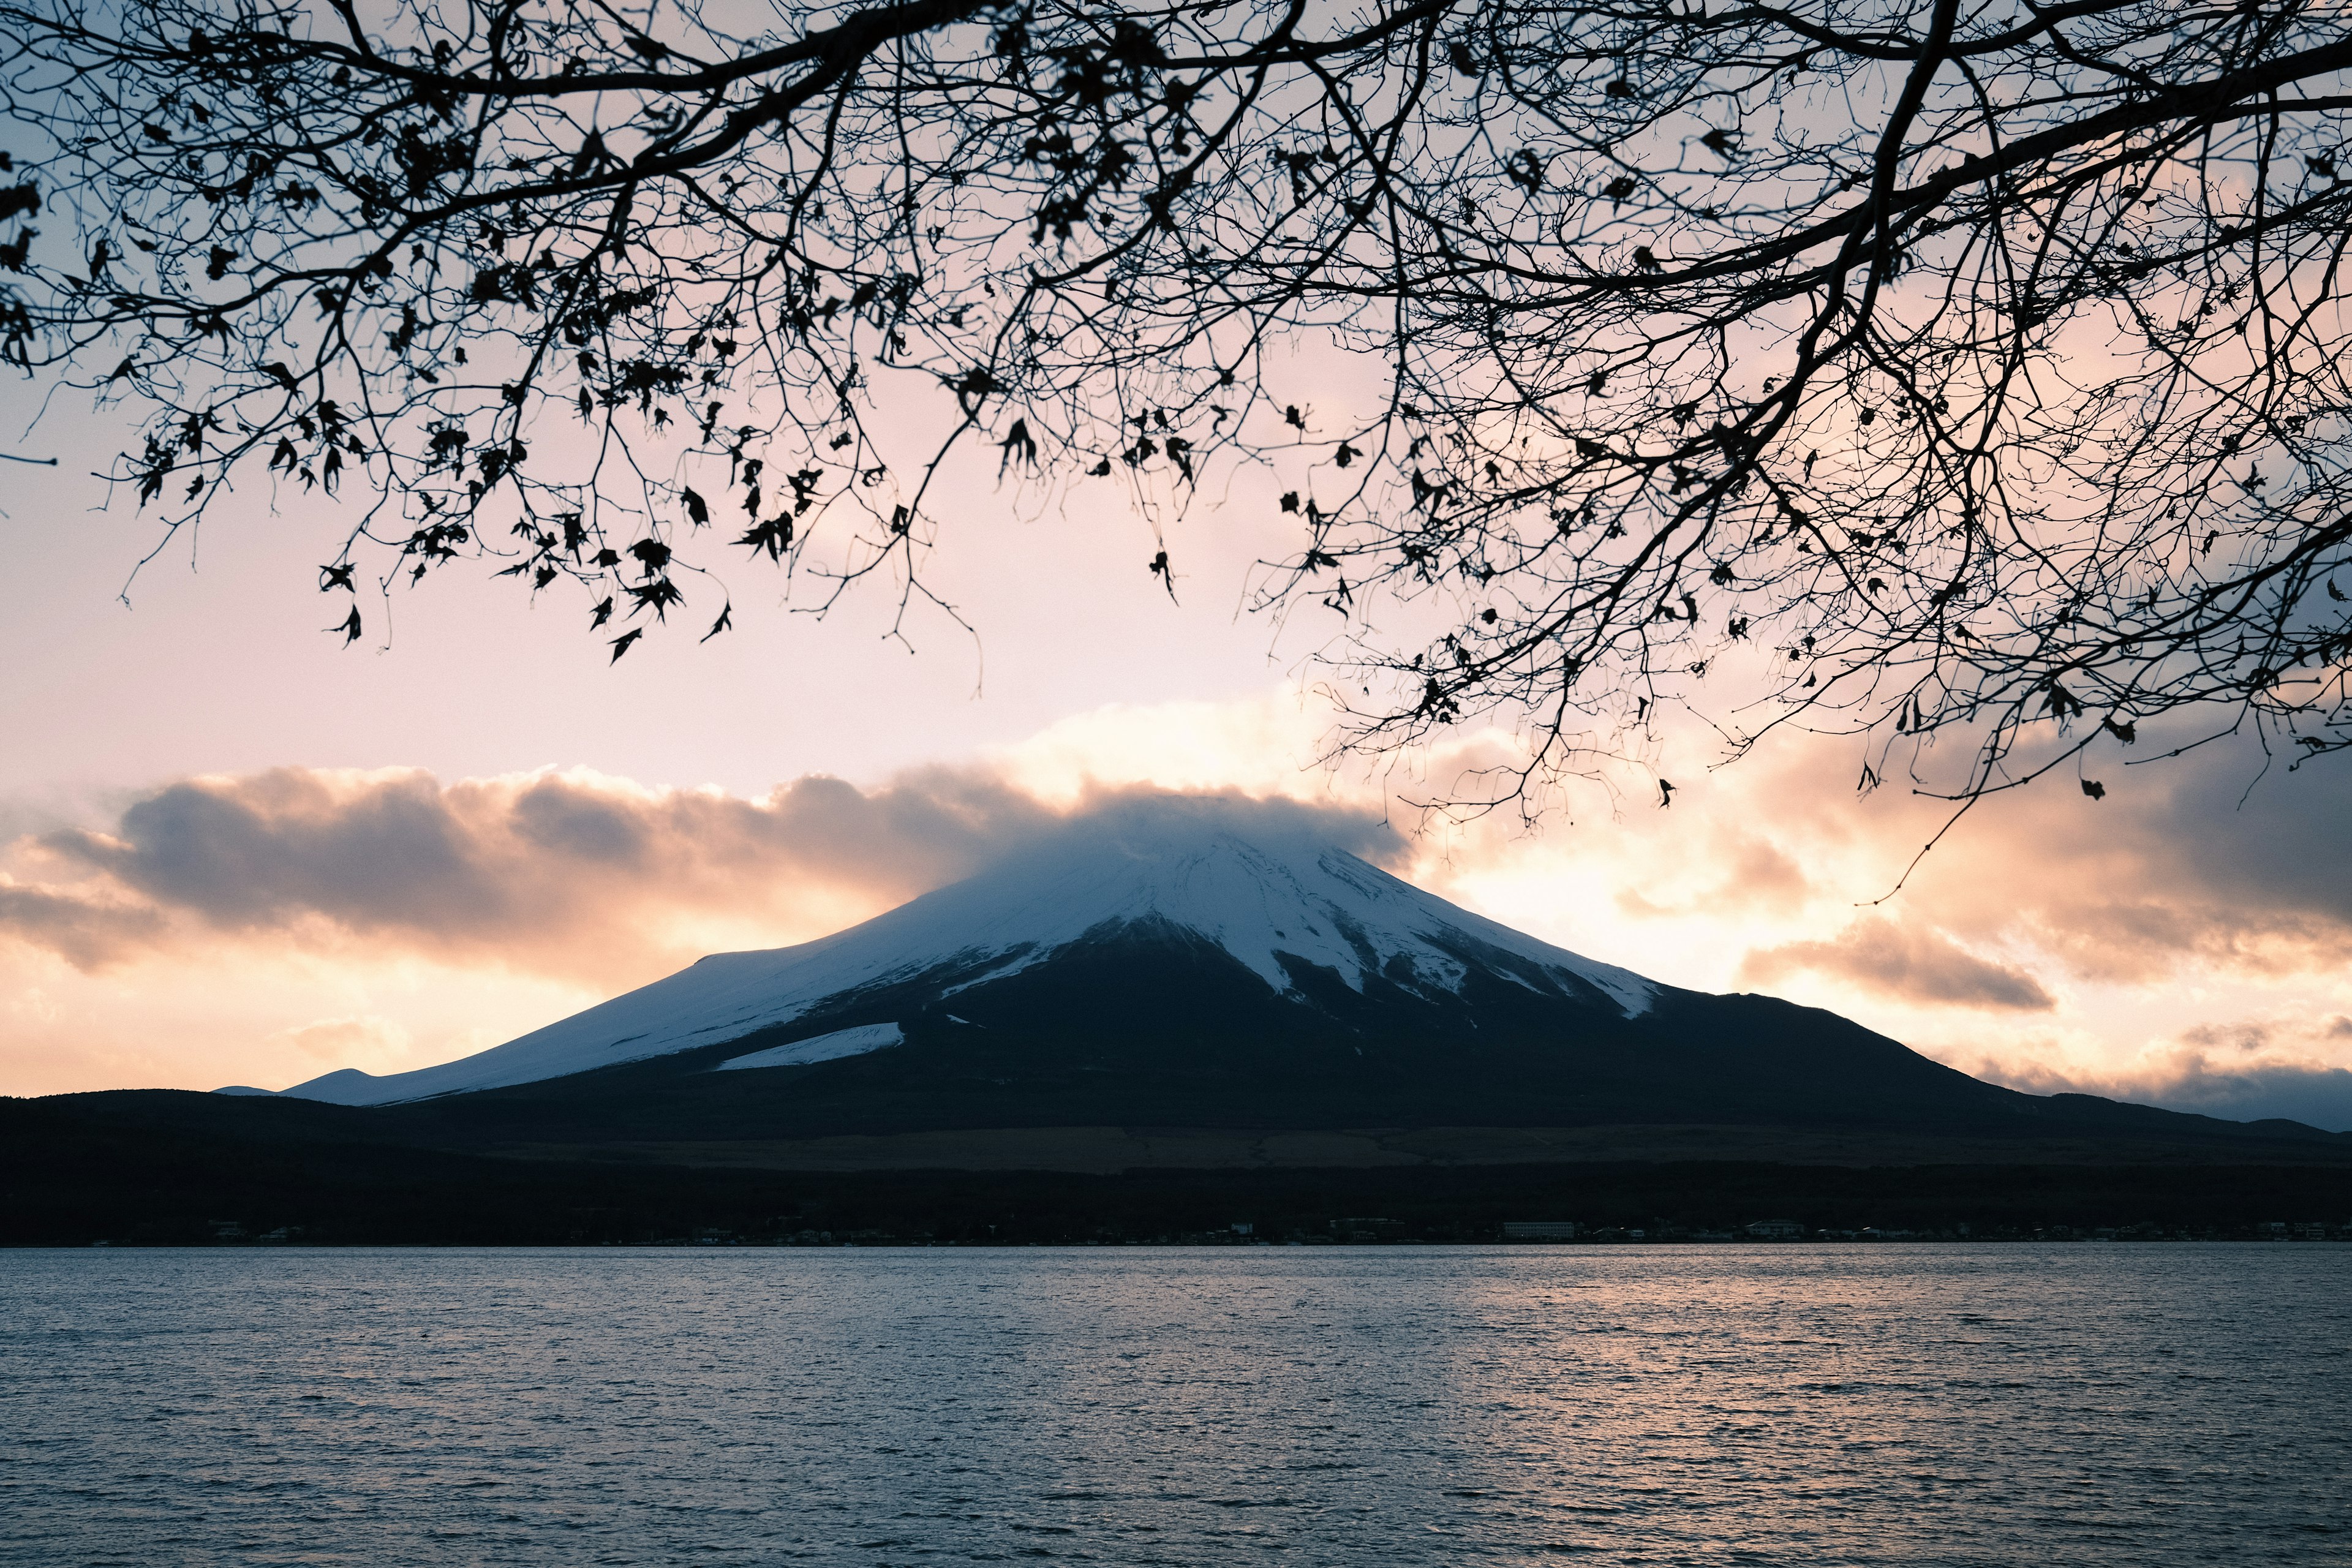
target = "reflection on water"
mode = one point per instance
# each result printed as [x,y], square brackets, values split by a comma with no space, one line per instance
[1945,1404]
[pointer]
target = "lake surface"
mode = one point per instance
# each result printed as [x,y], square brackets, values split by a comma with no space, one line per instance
[2141,1405]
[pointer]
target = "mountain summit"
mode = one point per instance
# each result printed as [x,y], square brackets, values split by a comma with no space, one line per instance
[1175,871]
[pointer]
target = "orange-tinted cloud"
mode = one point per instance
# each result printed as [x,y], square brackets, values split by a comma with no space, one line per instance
[2206,860]
[2198,859]
[86,929]
[568,876]
[2242,1073]
[1908,963]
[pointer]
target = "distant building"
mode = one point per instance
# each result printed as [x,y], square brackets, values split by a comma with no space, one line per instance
[1775,1230]
[1538,1230]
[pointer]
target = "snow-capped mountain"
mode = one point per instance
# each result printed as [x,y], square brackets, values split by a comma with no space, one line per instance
[1172,963]
[1174,878]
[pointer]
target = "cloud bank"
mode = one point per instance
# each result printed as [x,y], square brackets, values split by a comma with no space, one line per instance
[566,874]
[2241,1073]
[571,876]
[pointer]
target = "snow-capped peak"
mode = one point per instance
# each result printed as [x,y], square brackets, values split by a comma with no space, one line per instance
[1206,866]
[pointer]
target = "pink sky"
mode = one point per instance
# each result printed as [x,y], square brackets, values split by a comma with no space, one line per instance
[210,813]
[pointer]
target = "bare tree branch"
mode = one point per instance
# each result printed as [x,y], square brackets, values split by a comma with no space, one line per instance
[1885,367]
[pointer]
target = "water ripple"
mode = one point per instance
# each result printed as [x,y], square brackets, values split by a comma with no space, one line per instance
[1922,1406]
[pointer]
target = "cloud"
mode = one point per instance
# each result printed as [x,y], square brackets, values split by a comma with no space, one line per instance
[2206,861]
[1904,963]
[570,874]
[346,1041]
[1747,872]
[2241,1072]
[2213,864]
[2198,859]
[567,875]
[86,932]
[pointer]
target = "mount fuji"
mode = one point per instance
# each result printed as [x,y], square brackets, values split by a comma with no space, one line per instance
[1175,875]
[1188,961]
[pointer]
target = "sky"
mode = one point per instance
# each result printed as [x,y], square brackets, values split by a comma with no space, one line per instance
[233,851]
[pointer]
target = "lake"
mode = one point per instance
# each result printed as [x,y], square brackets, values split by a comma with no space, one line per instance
[1914,1405]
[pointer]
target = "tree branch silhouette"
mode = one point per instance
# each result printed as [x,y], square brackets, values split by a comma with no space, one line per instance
[1896,369]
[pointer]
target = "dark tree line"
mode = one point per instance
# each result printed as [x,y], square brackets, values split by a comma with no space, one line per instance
[1875,365]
